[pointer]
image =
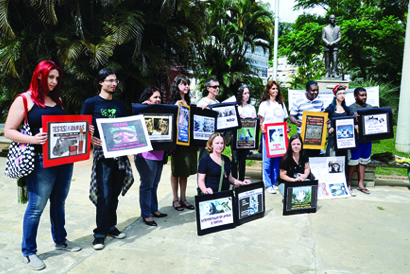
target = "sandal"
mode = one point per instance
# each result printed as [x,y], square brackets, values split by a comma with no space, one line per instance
[177,208]
[187,205]
[364,190]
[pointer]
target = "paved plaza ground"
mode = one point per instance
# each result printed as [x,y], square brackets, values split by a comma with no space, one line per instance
[365,234]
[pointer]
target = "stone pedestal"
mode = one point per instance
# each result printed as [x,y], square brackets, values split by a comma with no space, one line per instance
[330,83]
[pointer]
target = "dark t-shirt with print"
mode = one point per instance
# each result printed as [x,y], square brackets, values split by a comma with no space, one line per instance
[99,107]
[212,172]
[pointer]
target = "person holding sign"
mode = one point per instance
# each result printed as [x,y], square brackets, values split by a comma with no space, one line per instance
[245,110]
[308,102]
[214,170]
[109,176]
[294,165]
[149,165]
[271,110]
[43,184]
[184,161]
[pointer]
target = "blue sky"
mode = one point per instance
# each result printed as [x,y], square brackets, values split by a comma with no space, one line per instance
[286,13]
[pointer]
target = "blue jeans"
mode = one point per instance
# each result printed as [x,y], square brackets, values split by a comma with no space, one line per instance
[52,183]
[150,174]
[110,180]
[270,166]
[239,157]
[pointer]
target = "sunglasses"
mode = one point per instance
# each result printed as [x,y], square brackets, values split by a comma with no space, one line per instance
[214,87]
[184,83]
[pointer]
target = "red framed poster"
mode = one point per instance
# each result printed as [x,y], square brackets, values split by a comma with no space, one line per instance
[68,139]
[276,139]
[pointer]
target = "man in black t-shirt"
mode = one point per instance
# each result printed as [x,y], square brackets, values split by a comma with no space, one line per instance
[110,176]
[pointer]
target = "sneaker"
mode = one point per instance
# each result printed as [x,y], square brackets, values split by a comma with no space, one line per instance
[98,243]
[352,194]
[271,190]
[117,234]
[275,187]
[34,262]
[68,246]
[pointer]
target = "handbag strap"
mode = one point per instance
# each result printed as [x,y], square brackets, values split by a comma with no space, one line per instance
[25,108]
[222,174]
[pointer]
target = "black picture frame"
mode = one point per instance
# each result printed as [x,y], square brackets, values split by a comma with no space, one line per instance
[227,109]
[345,133]
[160,110]
[375,124]
[246,124]
[297,201]
[208,219]
[250,201]
[199,116]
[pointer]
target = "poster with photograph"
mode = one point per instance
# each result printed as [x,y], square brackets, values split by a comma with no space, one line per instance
[330,172]
[160,123]
[276,139]
[68,139]
[247,137]
[228,116]
[123,136]
[215,212]
[375,124]
[345,132]
[300,197]
[251,202]
[204,125]
[183,125]
[314,129]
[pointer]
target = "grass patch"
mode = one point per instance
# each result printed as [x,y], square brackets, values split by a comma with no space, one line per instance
[380,208]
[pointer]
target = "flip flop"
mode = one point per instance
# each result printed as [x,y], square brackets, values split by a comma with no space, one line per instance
[364,190]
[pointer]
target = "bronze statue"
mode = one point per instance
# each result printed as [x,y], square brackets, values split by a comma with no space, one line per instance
[331,36]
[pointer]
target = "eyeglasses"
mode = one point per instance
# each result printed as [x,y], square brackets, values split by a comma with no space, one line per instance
[184,83]
[112,81]
[214,87]
[340,93]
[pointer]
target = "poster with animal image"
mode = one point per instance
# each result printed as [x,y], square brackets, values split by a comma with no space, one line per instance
[375,124]
[183,125]
[247,137]
[345,132]
[68,139]
[300,197]
[228,116]
[314,129]
[276,138]
[123,136]
[158,126]
[330,172]
[203,127]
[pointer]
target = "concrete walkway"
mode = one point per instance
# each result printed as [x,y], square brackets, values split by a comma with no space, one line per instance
[366,234]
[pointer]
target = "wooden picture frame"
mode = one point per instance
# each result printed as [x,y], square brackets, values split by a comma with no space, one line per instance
[68,139]
[314,129]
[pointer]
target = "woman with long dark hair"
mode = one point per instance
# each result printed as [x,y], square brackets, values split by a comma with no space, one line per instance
[294,165]
[184,161]
[149,165]
[43,184]
[271,110]
[245,110]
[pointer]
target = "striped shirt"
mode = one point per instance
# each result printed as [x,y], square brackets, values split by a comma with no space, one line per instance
[304,104]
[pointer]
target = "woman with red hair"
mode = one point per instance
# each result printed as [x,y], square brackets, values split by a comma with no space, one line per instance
[52,183]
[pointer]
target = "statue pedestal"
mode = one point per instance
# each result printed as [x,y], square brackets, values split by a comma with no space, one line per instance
[330,83]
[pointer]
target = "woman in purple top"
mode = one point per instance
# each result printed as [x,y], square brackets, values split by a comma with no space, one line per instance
[149,165]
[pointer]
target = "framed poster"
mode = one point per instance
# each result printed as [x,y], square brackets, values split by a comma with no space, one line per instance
[330,172]
[68,139]
[300,197]
[203,125]
[160,122]
[215,212]
[375,124]
[123,136]
[276,139]
[228,116]
[251,202]
[345,133]
[314,129]
[247,137]
[183,125]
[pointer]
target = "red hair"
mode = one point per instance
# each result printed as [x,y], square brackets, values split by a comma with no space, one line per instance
[39,88]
